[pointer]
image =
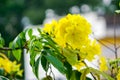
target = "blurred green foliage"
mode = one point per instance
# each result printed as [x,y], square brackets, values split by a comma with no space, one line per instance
[12,12]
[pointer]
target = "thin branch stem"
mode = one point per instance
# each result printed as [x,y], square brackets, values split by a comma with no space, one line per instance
[52,72]
[10,49]
[118,47]
[90,72]
[115,45]
[105,45]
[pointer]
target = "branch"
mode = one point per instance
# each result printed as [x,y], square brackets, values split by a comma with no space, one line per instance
[105,45]
[90,72]
[10,49]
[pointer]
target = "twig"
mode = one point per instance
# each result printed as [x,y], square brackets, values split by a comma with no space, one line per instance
[115,45]
[51,72]
[10,49]
[118,47]
[90,72]
[105,45]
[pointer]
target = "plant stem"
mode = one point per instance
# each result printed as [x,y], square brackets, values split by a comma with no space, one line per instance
[90,72]
[115,45]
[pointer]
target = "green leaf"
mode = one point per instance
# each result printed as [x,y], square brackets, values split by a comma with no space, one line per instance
[75,75]
[17,54]
[2,42]
[69,70]
[44,63]
[85,72]
[1,71]
[22,35]
[70,55]
[30,33]
[37,67]
[3,78]
[32,58]
[117,11]
[51,45]
[95,71]
[39,30]
[19,41]
[56,63]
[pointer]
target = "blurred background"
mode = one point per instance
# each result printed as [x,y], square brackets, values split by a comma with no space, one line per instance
[15,15]
[12,13]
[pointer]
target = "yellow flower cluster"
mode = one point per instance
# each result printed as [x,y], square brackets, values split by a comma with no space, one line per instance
[118,75]
[9,66]
[73,32]
[103,64]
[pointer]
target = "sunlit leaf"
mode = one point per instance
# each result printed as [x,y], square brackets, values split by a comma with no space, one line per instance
[17,54]
[19,42]
[30,33]
[70,56]
[117,11]
[85,72]
[2,42]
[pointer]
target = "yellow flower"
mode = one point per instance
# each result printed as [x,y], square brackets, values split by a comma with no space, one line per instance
[9,66]
[89,50]
[49,28]
[118,75]
[103,64]
[79,65]
[72,30]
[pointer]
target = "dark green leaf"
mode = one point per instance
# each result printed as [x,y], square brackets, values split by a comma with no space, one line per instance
[56,63]
[37,67]
[44,63]
[39,30]
[68,70]
[75,75]
[1,71]
[52,45]
[17,54]
[3,78]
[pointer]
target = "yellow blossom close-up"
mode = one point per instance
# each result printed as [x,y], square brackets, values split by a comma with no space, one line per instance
[103,64]
[9,66]
[118,75]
